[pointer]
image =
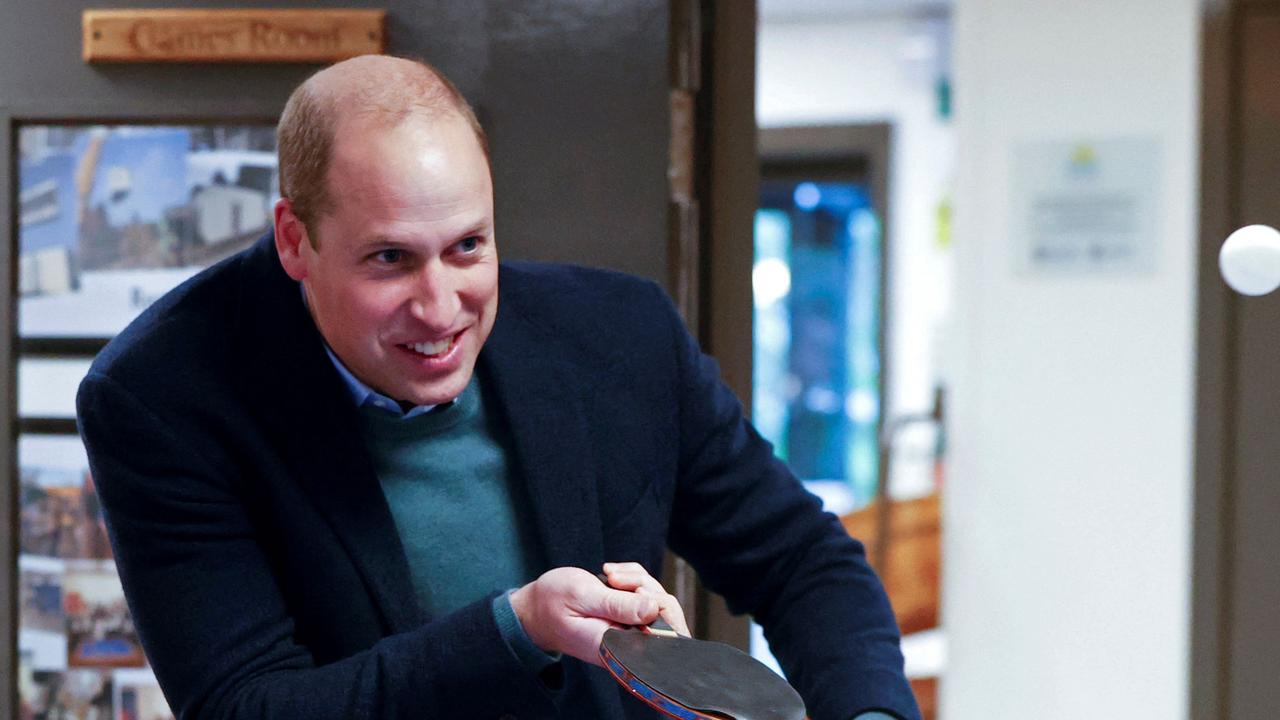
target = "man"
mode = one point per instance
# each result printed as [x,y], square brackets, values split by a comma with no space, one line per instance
[325,461]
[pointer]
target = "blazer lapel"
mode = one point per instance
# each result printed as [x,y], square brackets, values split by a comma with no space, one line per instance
[309,414]
[541,396]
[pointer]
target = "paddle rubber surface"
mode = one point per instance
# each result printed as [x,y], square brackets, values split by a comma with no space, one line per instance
[697,679]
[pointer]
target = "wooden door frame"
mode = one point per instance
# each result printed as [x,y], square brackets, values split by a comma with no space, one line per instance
[726,182]
[1217,431]
[1215,379]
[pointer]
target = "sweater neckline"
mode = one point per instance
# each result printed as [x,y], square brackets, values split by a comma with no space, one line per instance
[380,422]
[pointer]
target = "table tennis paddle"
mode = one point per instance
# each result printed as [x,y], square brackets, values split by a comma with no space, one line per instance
[696,679]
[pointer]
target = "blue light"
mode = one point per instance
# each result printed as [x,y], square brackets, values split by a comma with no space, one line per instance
[807,196]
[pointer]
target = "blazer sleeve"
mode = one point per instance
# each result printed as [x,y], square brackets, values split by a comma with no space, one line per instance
[209,613]
[758,538]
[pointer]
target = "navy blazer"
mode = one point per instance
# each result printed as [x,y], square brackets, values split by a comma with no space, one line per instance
[262,565]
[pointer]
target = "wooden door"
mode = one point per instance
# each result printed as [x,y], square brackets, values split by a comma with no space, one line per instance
[1236,583]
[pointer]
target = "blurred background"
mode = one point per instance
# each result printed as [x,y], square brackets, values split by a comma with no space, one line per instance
[957,257]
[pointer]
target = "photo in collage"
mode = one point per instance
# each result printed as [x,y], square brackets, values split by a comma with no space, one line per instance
[75,632]
[110,218]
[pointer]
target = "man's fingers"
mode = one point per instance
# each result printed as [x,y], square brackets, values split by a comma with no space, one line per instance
[631,576]
[628,608]
[611,568]
[642,607]
[669,609]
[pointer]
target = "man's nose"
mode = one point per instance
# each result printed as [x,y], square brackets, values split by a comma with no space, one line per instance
[435,302]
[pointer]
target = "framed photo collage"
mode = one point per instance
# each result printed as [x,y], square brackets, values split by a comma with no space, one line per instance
[109,219]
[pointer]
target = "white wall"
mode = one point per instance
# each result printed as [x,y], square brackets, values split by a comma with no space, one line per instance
[1067,556]
[881,68]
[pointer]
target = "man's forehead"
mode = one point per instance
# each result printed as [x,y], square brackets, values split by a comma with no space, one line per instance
[437,143]
[358,129]
[424,170]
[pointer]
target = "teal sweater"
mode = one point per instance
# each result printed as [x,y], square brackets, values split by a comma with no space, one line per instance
[462,519]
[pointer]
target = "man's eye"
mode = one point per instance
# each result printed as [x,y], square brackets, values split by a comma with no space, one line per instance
[389,256]
[469,245]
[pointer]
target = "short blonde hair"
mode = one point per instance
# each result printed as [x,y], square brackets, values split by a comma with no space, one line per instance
[378,87]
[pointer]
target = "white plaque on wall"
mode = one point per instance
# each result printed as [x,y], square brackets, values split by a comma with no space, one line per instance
[1086,206]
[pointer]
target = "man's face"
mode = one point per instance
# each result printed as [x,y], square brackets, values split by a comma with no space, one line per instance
[404,285]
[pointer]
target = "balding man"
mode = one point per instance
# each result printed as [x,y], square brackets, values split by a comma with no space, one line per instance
[363,470]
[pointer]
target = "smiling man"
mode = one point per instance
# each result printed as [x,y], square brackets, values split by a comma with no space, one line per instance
[365,470]
[405,291]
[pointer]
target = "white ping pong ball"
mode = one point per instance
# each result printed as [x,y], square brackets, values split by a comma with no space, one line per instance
[1250,260]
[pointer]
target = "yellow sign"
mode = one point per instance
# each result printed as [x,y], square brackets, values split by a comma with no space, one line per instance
[298,36]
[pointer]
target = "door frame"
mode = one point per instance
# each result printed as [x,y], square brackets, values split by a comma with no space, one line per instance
[1215,379]
[1219,429]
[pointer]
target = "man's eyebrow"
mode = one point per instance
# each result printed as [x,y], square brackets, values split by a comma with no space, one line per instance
[379,242]
[480,228]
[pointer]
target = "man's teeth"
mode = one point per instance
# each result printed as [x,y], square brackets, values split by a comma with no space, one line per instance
[434,348]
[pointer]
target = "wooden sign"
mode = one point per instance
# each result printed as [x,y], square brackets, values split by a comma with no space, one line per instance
[288,36]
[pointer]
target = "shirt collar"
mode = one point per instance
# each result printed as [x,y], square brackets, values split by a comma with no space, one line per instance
[365,396]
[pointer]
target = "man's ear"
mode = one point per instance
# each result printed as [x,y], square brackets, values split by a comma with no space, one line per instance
[292,240]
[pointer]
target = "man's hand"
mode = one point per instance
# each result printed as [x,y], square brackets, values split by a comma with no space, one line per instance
[567,610]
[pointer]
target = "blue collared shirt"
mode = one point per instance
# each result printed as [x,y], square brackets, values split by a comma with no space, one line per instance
[365,396]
